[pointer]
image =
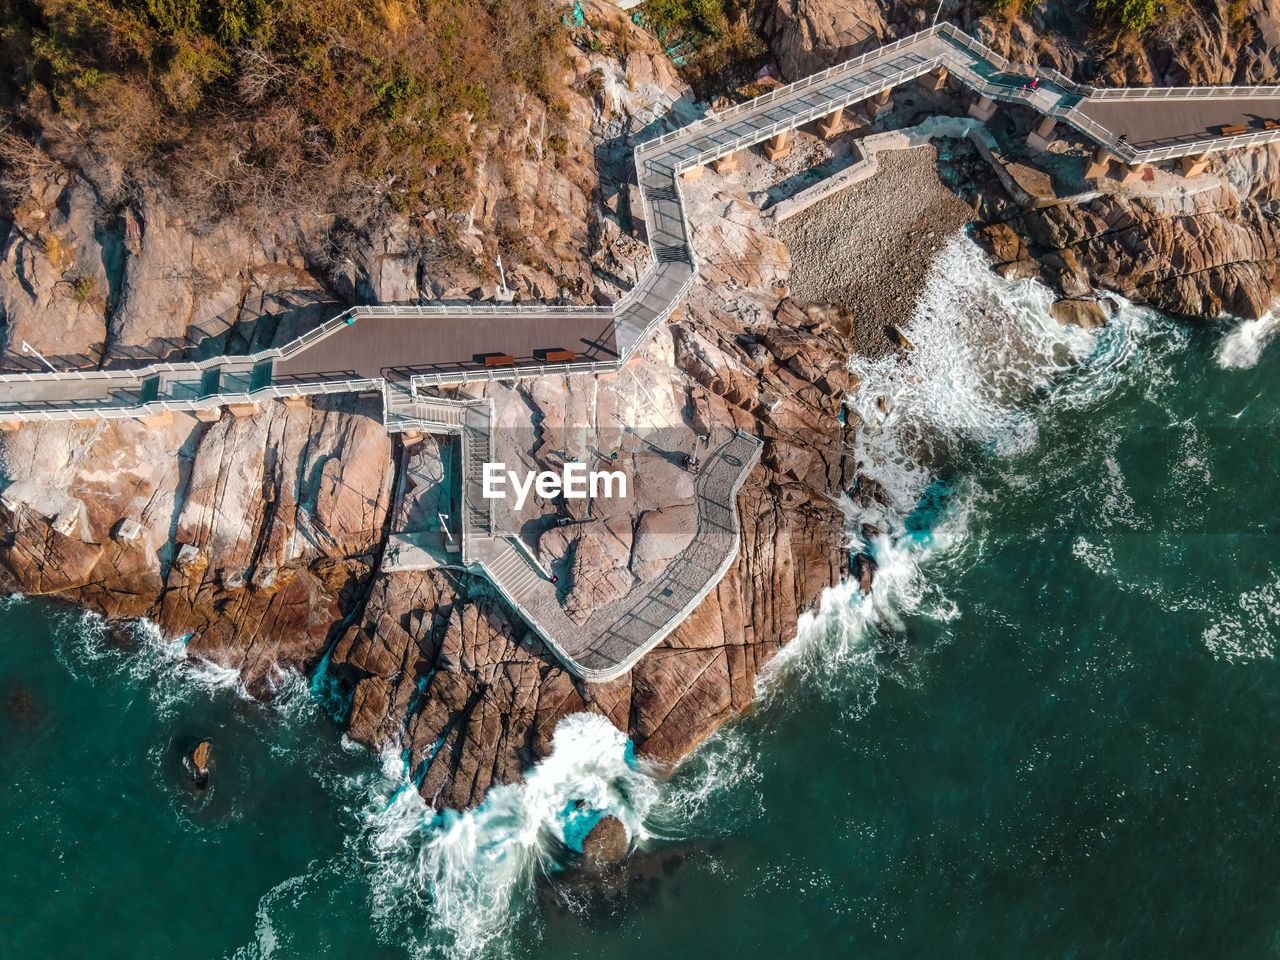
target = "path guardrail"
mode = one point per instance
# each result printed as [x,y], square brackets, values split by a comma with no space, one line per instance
[645,307]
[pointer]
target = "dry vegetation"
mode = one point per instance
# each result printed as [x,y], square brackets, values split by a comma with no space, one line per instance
[255,104]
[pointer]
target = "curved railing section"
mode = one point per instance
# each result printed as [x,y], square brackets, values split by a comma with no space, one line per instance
[673,267]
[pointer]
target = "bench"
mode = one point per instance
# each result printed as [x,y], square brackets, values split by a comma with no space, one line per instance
[499,360]
[1233,131]
[559,356]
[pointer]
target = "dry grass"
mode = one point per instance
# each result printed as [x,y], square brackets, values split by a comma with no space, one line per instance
[253,104]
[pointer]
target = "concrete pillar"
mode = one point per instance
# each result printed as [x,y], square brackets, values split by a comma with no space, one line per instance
[984,108]
[1132,172]
[879,104]
[157,420]
[244,409]
[934,80]
[410,437]
[728,163]
[778,146]
[8,426]
[693,173]
[1040,138]
[831,124]
[294,403]
[211,415]
[1194,165]
[1099,163]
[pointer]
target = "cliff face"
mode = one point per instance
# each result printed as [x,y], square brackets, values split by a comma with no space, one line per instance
[100,268]
[1195,252]
[262,537]
[1208,41]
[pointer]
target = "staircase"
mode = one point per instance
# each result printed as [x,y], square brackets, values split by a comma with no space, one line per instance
[402,410]
[477,450]
[507,566]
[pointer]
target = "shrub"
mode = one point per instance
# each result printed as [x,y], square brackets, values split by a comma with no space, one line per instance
[270,98]
[1132,15]
[84,287]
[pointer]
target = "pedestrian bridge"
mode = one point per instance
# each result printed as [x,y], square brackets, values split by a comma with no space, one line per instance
[403,351]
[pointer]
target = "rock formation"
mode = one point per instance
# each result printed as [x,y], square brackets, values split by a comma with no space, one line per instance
[261,537]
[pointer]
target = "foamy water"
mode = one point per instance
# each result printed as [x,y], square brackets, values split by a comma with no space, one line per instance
[1242,346]
[987,353]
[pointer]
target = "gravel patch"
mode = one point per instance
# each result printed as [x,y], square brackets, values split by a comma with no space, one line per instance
[869,248]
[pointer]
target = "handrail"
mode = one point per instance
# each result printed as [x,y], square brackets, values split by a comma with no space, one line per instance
[659,161]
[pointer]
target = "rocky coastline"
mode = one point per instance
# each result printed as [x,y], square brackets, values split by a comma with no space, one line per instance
[262,537]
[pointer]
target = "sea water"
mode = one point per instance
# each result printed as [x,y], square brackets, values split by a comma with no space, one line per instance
[1050,730]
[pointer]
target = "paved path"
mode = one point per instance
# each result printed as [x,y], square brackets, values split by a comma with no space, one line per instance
[618,634]
[398,349]
[366,347]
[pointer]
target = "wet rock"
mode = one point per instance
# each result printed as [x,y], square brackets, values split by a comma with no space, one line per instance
[863,567]
[899,338]
[199,762]
[1088,314]
[607,842]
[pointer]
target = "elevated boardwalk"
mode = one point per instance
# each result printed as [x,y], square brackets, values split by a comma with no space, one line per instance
[615,635]
[397,350]
[366,347]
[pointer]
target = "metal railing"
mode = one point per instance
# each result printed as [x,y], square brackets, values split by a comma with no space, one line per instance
[944,45]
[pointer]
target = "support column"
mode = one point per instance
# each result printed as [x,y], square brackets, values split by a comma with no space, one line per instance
[1132,172]
[1194,165]
[984,108]
[158,420]
[934,80]
[831,124]
[778,146]
[294,403]
[1040,138]
[211,415]
[244,409]
[693,173]
[8,426]
[1100,164]
[879,104]
[728,163]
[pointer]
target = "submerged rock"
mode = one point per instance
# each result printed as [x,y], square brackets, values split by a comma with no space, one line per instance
[1088,314]
[607,842]
[21,706]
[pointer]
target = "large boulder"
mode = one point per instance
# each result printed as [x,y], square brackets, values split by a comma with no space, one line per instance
[607,842]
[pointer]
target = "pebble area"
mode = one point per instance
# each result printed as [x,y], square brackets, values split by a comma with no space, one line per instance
[868,248]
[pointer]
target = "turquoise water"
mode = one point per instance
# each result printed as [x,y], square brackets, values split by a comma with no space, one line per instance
[1051,731]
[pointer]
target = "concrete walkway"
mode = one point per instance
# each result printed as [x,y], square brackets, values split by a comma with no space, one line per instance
[397,350]
[617,634]
[365,348]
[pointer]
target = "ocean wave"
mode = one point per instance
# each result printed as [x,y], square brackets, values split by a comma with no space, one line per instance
[453,884]
[1243,344]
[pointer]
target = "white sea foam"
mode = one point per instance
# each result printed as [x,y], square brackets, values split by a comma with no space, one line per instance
[984,346]
[1249,634]
[468,873]
[1243,344]
[162,665]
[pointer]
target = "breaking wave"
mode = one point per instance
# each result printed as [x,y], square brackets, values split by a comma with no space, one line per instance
[1243,344]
